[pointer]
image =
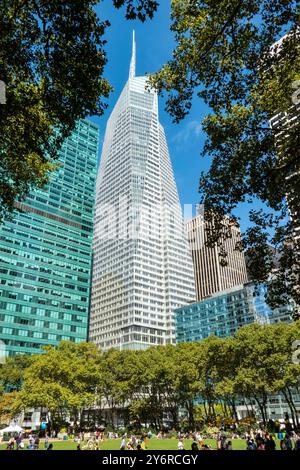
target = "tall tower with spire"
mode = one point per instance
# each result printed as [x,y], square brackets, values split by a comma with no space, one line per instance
[142,267]
[132,69]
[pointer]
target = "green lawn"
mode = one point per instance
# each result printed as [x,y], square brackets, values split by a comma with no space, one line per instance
[153,444]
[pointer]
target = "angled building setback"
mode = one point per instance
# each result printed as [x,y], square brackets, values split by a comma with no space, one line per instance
[142,268]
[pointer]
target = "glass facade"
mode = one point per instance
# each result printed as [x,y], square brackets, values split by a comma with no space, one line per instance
[46,253]
[222,314]
[142,267]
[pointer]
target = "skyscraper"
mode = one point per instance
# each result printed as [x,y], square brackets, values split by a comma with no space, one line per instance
[286,126]
[142,269]
[46,253]
[210,276]
[283,123]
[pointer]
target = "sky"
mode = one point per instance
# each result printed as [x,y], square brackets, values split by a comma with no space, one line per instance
[155,43]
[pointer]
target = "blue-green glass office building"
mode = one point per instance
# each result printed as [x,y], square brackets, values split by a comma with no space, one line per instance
[46,253]
[223,313]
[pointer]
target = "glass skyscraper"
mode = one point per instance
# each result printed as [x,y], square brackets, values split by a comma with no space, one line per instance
[223,313]
[46,253]
[142,267]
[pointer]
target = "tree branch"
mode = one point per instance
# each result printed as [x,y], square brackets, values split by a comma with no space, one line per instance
[222,30]
[19,8]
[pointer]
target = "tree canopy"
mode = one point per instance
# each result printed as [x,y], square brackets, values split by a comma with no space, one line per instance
[52,58]
[145,386]
[242,58]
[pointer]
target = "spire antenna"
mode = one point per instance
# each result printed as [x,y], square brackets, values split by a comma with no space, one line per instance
[133,58]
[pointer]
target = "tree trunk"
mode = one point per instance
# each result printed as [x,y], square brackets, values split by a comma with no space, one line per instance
[294,407]
[262,407]
[234,411]
[289,399]
[191,411]
[205,409]
[174,414]
[225,409]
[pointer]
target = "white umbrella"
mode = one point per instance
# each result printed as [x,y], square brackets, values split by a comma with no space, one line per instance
[11,429]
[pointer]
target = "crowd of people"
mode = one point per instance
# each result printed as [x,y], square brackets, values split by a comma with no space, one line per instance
[259,440]
[254,440]
[96,442]
[17,442]
[266,441]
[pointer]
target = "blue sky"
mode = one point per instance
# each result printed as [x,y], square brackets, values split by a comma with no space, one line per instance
[155,44]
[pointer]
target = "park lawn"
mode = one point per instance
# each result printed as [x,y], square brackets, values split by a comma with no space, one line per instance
[152,444]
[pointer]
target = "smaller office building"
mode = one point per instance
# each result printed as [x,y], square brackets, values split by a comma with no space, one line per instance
[222,314]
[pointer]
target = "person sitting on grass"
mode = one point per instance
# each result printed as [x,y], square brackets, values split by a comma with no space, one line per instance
[18,440]
[180,445]
[36,443]
[11,444]
[46,441]
[194,446]
[205,447]
[123,443]
[96,445]
[251,444]
[31,442]
[270,443]
[229,445]
[261,445]
[143,442]
[200,440]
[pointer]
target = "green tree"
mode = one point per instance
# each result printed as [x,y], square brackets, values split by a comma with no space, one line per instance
[12,372]
[52,59]
[147,406]
[225,55]
[207,353]
[64,380]
[140,9]
[157,386]
[226,365]
[187,380]
[205,379]
[263,364]
[118,368]
[7,402]
[166,370]
[285,375]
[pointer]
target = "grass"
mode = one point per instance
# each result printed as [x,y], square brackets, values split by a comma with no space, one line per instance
[152,444]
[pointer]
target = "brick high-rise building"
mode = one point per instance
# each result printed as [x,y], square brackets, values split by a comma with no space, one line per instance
[210,276]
